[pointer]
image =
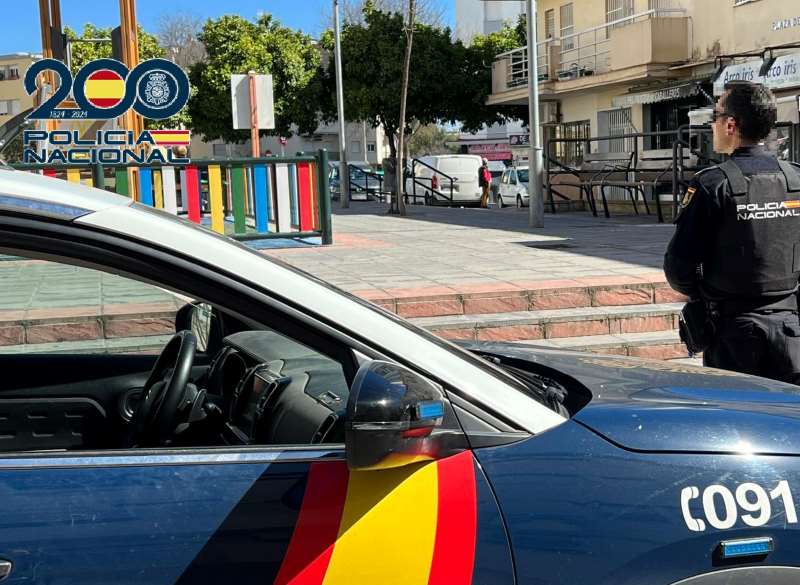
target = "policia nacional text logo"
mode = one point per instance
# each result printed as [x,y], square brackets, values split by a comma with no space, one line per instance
[771,210]
[105,89]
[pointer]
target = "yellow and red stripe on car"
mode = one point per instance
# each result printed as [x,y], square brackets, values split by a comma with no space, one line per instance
[412,525]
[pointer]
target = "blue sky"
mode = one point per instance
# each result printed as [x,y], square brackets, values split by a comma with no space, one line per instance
[20,33]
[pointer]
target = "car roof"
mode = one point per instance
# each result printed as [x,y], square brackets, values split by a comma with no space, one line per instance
[35,194]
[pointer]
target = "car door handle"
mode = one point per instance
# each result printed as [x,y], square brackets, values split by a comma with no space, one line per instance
[5,569]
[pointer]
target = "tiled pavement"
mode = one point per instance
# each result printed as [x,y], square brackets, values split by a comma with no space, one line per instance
[476,250]
[433,251]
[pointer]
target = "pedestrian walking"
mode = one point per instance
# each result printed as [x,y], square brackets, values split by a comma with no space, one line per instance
[484,181]
[736,248]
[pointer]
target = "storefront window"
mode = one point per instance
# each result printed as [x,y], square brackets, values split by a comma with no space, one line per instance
[569,153]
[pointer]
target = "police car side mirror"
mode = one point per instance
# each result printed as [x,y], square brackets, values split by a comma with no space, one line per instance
[395,417]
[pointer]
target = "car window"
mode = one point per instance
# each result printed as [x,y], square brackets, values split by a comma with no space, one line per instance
[513,177]
[504,178]
[53,307]
[91,337]
[523,175]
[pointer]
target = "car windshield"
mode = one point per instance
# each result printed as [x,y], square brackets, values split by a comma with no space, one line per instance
[522,175]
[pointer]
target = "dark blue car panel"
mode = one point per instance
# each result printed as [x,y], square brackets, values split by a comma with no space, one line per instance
[581,510]
[123,524]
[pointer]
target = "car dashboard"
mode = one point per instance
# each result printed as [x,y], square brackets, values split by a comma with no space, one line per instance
[274,391]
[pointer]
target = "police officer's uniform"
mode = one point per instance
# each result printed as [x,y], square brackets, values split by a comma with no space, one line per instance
[737,245]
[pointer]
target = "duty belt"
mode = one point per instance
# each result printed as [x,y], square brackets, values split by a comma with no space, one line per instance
[731,307]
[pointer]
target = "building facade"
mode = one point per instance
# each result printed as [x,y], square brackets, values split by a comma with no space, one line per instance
[13,97]
[480,17]
[610,67]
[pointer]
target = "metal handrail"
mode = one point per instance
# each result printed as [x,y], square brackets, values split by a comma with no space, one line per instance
[597,58]
[368,174]
[415,181]
[574,54]
[517,73]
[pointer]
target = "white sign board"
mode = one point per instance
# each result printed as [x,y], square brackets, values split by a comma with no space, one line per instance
[240,100]
[784,74]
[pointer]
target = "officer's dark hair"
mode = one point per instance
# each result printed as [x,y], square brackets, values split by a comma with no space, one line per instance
[753,107]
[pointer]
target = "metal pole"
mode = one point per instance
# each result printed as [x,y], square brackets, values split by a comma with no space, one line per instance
[344,174]
[536,218]
[324,193]
[254,140]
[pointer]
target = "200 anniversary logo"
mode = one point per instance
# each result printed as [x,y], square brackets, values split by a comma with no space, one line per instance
[106,89]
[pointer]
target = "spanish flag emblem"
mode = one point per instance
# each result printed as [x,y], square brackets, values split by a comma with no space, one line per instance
[104,89]
[413,525]
[171,137]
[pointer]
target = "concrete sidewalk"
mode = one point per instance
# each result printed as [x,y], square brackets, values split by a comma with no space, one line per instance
[467,249]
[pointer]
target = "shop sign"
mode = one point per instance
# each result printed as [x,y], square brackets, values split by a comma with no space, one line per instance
[784,74]
[660,95]
[785,23]
[520,139]
[498,151]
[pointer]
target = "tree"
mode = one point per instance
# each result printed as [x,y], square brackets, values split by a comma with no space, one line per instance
[82,53]
[177,35]
[236,45]
[430,139]
[475,79]
[448,81]
[401,207]
[427,11]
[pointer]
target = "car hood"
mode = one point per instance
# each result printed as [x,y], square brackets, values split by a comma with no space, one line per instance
[659,406]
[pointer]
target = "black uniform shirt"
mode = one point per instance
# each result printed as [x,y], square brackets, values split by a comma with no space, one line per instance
[699,217]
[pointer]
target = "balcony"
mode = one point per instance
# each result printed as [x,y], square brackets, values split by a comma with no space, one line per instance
[648,38]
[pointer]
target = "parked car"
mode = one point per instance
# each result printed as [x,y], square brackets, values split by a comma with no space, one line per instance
[433,179]
[513,189]
[292,433]
[364,184]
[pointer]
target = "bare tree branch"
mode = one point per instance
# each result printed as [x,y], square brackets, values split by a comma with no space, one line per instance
[177,35]
[430,12]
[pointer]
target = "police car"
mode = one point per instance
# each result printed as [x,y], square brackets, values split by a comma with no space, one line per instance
[290,433]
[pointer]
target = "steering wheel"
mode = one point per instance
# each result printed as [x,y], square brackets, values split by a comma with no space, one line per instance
[155,420]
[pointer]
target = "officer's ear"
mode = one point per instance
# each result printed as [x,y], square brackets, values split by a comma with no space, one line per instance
[731,127]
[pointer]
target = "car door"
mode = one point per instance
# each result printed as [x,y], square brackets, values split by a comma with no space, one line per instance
[287,514]
[504,186]
[278,513]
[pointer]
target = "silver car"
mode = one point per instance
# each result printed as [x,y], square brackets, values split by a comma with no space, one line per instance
[514,188]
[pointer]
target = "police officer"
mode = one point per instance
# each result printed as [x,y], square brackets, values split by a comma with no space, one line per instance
[737,242]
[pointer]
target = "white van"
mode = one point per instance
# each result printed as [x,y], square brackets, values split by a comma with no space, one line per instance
[461,168]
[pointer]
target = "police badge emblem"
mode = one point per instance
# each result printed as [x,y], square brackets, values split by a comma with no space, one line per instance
[156,91]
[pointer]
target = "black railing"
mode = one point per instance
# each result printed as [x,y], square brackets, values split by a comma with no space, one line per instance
[421,181]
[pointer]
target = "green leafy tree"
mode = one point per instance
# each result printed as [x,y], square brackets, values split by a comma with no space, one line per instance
[431,139]
[236,45]
[449,82]
[82,53]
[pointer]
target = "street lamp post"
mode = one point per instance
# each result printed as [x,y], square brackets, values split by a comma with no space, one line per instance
[344,175]
[535,164]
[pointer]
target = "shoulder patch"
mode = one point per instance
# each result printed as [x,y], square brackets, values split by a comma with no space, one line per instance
[687,199]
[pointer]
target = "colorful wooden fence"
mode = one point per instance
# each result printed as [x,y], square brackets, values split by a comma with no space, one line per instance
[243,198]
